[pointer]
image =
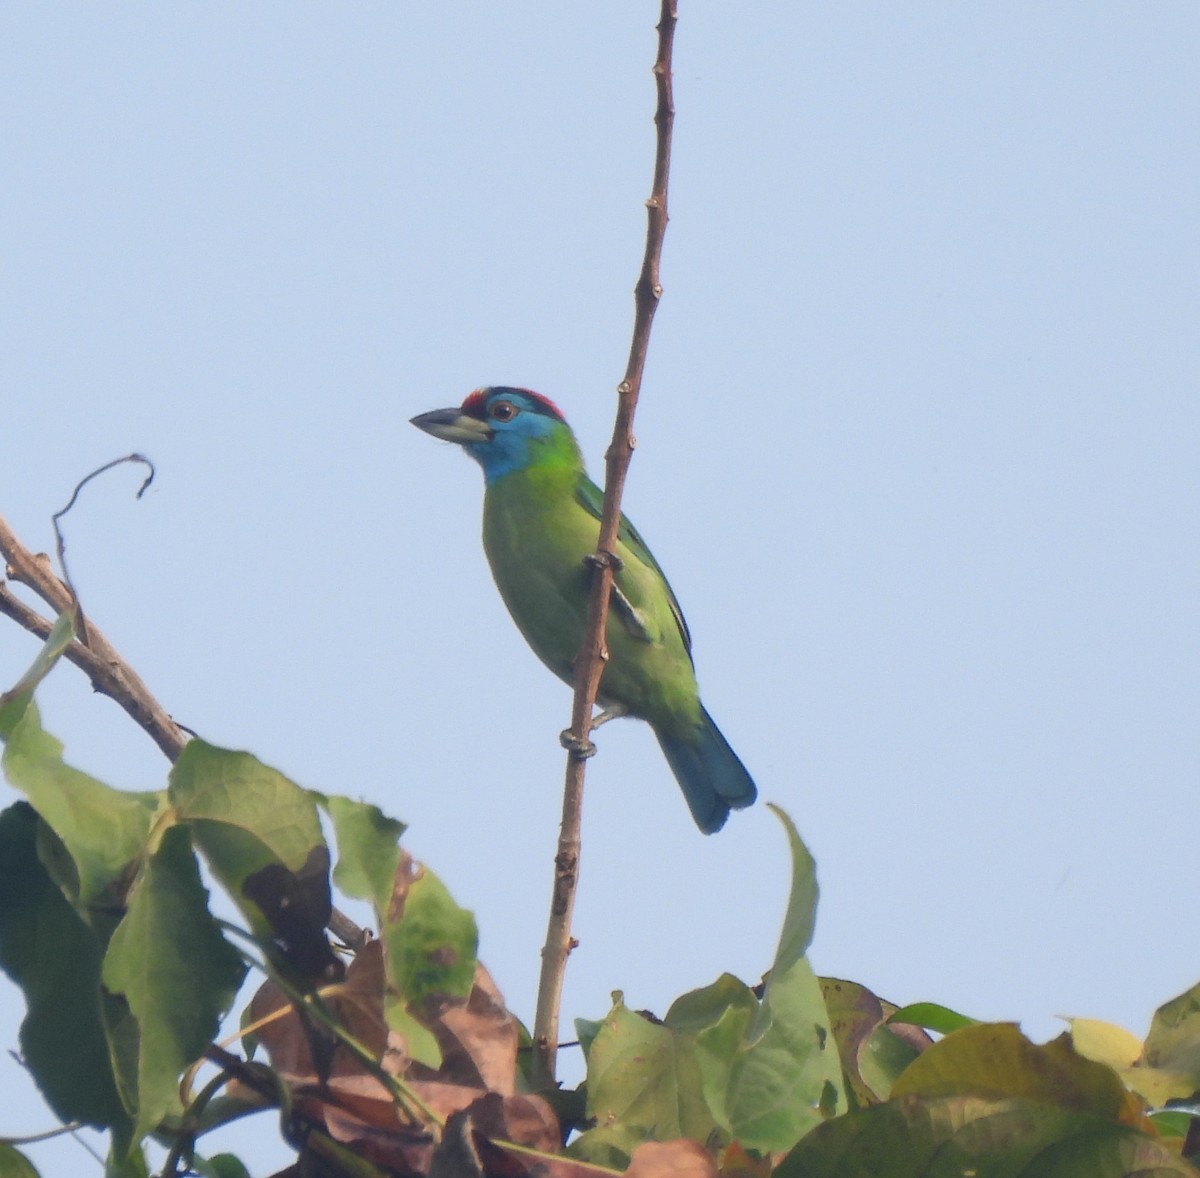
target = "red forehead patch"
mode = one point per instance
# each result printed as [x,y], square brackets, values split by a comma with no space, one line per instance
[475,404]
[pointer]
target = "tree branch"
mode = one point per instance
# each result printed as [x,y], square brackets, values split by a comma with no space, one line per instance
[110,674]
[589,664]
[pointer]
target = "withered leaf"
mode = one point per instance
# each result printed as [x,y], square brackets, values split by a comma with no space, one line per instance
[671,1159]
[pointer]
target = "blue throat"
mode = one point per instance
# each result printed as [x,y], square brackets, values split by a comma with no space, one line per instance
[511,449]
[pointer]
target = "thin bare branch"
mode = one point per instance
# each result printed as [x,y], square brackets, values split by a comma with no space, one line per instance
[61,544]
[589,665]
[110,674]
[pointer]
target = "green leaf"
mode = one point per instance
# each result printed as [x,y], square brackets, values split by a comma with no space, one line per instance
[641,1074]
[996,1060]
[129,1164]
[432,946]
[1173,1123]
[764,1072]
[220,1165]
[420,1042]
[950,1136]
[48,950]
[788,1075]
[854,1015]
[261,835]
[703,1009]
[14,1164]
[247,812]
[932,1017]
[884,1057]
[104,830]
[1170,1066]
[175,970]
[1174,1038]
[801,916]
[586,1030]
[716,1018]
[124,1045]
[57,641]
[610,1146]
[644,1083]
[1109,1151]
[430,942]
[872,1054]
[368,854]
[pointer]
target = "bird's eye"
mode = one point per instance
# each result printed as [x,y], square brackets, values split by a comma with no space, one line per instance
[502,411]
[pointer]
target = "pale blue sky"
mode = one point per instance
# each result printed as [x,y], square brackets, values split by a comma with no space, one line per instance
[918,451]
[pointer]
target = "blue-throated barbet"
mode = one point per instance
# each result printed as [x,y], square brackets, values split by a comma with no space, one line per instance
[541,517]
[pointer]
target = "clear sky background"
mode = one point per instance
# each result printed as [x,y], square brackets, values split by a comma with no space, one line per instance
[917,448]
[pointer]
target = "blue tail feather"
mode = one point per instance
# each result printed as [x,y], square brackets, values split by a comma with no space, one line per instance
[712,778]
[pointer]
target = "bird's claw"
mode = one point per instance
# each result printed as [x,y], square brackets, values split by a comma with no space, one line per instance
[612,712]
[629,614]
[579,749]
[600,560]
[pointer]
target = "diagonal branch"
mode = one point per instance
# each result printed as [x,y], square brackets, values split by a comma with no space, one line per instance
[110,674]
[589,664]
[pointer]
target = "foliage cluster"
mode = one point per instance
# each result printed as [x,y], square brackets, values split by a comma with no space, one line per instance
[395,1054]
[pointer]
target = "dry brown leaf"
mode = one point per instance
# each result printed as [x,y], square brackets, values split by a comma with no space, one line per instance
[361,1096]
[524,1120]
[404,1151]
[499,1162]
[407,871]
[478,1039]
[737,1163]
[444,1099]
[356,1004]
[281,1036]
[671,1159]
[473,1092]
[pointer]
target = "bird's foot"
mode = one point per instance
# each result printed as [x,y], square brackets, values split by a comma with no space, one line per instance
[629,614]
[613,712]
[601,560]
[580,750]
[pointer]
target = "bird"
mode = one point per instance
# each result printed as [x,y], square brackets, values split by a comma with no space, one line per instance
[541,518]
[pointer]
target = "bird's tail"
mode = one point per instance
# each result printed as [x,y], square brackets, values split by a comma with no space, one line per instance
[712,778]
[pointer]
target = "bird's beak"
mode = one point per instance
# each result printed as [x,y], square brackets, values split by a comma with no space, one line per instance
[452,425]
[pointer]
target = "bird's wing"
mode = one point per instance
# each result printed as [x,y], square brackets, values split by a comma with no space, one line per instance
[592,499]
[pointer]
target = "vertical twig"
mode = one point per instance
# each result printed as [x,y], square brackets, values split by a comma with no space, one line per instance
[589,665]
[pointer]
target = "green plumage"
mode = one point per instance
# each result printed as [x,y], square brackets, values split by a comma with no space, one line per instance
[540,524]
[537,534]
